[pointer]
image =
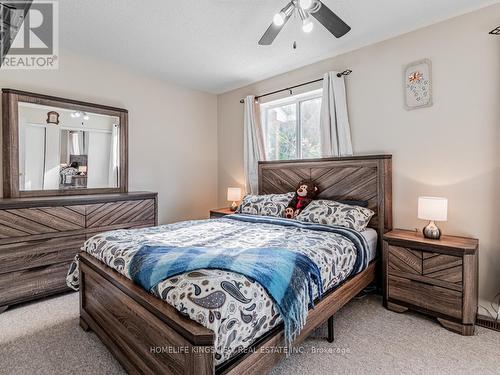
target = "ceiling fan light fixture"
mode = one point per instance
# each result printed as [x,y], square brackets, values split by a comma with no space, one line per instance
[305,9]
[305,4]
[279,19]
[307,26]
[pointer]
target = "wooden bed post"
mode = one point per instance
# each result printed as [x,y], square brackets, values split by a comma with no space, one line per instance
[331,329]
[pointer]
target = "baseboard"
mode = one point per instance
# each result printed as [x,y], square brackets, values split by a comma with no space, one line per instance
[487,322]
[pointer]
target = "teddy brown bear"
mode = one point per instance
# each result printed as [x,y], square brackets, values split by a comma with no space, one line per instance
[304,195]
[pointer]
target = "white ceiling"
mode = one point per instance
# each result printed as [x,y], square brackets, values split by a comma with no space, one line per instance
[211,45]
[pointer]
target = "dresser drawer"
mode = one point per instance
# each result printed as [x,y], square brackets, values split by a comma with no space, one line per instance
[114,214]
[24,222]
[20,286]
[429,297]
[33,254]
[144,224]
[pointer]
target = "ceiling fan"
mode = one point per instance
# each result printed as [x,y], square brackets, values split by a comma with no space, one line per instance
[305,9]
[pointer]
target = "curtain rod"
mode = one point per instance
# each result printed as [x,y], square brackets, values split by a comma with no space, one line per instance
[344,73]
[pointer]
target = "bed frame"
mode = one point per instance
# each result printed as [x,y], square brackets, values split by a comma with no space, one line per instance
[149,336]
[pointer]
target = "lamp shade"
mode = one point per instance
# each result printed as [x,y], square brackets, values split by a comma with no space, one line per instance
[433,208]
[233,194]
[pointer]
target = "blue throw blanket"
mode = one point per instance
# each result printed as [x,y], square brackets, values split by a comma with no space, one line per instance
[286,275]
[352,235]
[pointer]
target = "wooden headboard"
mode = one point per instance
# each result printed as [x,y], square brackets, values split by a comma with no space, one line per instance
[361,178]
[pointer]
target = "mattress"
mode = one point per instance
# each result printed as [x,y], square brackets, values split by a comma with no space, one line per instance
[237,309]
[371,236]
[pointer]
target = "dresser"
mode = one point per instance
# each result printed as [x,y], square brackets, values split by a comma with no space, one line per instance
[39,237]
[435,277]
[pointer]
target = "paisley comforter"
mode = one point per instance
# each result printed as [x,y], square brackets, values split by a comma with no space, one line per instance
[236,308]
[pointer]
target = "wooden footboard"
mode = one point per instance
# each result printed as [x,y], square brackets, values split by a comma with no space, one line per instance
[146,335]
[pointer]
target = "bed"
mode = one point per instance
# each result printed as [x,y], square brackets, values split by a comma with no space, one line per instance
[190,335]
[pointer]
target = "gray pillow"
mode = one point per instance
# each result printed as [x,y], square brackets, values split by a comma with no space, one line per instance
[265,205]
[335,213]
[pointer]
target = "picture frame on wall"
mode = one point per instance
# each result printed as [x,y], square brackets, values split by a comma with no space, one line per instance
[418,84]
[53,118]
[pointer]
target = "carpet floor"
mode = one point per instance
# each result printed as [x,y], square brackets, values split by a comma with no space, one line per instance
[45,338]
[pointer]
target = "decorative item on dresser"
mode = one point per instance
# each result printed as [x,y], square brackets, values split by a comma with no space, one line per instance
[220,212]
[435,277]
[44,219]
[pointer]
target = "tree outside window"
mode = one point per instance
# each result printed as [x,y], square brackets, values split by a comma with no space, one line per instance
[291,127]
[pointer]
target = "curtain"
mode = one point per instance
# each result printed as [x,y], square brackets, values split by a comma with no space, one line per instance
[113,158]
[74,143]
[334,122]
[78,142]
[253,144]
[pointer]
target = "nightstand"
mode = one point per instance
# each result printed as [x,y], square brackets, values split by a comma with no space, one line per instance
[220,212]
[435,277]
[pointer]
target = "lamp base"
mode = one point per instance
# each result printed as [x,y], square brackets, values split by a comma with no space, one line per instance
[234,206]
[432,231]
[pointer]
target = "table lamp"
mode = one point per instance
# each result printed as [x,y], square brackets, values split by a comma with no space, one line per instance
[432,209]
[233,195]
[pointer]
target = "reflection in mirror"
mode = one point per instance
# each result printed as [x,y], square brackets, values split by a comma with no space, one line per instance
[65,149]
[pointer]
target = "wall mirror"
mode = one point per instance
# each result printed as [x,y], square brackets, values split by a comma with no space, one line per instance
[55,146]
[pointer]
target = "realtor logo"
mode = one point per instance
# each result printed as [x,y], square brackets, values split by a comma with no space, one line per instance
[35,45]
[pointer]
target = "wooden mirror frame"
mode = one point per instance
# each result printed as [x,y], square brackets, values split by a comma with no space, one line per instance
[10,132]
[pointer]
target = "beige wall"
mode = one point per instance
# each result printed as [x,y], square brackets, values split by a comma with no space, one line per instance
[451,149]
[172,131]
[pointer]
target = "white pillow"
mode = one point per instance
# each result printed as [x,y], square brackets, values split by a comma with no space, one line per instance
[265,205]
[335,213]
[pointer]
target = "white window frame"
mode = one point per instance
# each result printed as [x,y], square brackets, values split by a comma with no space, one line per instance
[297,100]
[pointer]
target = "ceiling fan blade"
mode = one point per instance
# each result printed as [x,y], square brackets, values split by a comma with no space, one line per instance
[271,33]
[331,21]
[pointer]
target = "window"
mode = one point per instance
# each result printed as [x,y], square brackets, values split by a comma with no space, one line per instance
[291,127]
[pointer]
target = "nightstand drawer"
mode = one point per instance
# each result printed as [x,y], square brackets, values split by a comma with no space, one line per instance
[442,267]
[405,260]
[429,297]
[431,266]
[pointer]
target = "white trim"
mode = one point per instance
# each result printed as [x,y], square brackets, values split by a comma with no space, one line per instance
[34,124]
[86,130]
[71,128]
